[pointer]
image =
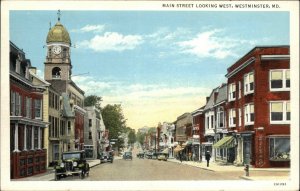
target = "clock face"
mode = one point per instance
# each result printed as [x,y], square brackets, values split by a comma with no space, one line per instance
[56,49]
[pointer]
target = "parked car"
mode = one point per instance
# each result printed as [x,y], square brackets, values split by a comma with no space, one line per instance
[127,155]
[107,157]
[162,156]
[73,162]
[140,155]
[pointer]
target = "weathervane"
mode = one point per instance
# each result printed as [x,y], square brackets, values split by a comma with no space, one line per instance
[58,14]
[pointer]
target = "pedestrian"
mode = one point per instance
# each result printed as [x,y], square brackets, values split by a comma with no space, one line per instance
[207,157]
[180,156]
[190,156]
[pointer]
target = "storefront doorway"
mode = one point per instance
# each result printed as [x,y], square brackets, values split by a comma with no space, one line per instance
[247,149]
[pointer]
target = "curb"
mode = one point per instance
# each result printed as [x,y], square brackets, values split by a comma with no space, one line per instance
[193,166]
[245,178]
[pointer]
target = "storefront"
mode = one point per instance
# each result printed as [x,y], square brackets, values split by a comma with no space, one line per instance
[225,149]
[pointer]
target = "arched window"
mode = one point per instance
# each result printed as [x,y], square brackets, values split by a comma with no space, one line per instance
[56,73]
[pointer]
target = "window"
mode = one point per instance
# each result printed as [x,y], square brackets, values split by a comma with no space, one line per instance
[220,117]
[279,148]
[209,123]
[18,105]
[29,138]
[280,112]
[36,137]
[28,107]
[90,122]
[12,103]
[69,128]
[90,135]
[249,114]
[280,80]
[249,83]
[231,91]
[38,110]
[232,118]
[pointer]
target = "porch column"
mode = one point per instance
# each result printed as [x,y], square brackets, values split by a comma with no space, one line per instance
[16,138]
[39,137]
[32,137]
[25,138]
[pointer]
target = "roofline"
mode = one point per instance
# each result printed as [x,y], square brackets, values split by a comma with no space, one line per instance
[15,46]
[256,47]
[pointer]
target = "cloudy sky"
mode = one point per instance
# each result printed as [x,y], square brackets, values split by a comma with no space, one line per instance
[157,64]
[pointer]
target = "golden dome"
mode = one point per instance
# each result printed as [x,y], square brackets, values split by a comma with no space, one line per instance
[58,33]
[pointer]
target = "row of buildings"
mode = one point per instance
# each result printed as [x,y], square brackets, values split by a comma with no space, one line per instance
[244,121]
[47,116]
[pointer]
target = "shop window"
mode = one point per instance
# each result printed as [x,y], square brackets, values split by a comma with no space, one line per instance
[279,148]
[280,80]
[231,92]
[232,118]
[249,83]
[280,112]
[249,114]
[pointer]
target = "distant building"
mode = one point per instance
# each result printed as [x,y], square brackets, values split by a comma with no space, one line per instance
[198,133]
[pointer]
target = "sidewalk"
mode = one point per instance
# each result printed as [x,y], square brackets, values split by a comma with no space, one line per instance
[255,173]
[49,175]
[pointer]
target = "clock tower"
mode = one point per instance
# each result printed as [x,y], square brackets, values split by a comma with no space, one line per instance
[58,63]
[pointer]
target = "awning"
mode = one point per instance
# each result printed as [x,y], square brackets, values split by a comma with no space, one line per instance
[165,151]
[178,148]
[225,142]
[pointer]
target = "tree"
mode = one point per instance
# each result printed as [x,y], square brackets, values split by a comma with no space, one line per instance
[131,136]
[140,137]
[114,121]
[93,100]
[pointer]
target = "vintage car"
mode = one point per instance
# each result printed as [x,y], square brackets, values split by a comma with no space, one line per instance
[107,157]
[140,155]
[162,156]
[127,155]
[72,163]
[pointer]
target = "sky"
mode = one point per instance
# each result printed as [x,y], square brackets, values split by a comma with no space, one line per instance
[156,64]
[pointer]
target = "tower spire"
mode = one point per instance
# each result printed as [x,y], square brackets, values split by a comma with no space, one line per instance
[58,15]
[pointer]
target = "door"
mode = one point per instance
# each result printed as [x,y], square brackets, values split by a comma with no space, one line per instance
[247,149]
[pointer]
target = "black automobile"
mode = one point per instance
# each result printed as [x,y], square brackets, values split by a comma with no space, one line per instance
[127,155]
[140,155]
[107,157]
[72,162]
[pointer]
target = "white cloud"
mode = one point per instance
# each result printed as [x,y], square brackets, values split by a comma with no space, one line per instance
[213,44]
[112,41]
[90,28]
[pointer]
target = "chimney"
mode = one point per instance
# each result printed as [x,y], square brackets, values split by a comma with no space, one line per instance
[32,70]
[207,99]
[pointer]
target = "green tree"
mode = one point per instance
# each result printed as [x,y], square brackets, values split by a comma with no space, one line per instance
[114,121]
[140,137]
[93,100]
[131,137]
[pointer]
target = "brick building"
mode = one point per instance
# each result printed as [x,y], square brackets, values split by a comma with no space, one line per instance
[28,156]
[198,132]
[258,108]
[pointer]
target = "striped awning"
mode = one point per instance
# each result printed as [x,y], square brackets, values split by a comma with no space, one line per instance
[225,142]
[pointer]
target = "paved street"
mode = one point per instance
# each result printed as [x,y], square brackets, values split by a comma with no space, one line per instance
[148,169]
